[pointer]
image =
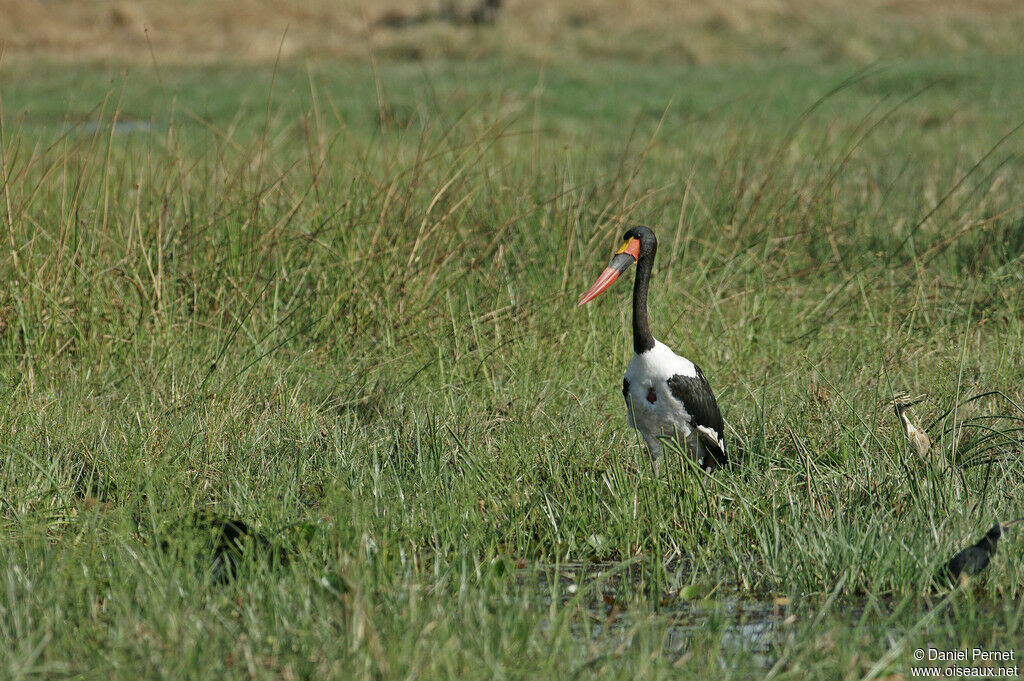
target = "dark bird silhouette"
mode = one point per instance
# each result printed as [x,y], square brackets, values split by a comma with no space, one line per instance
[233,538]
[486,12]
[972,560]
[229,540]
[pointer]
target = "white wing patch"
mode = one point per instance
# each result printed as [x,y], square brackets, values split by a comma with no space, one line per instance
[711,434]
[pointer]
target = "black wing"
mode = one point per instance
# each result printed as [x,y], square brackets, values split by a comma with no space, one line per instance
[695,394]
[629,402]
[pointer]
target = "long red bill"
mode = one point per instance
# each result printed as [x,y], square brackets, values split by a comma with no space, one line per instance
[624,257]
[606,279]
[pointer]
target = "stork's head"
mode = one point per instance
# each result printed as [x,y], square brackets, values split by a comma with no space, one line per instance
[638,240]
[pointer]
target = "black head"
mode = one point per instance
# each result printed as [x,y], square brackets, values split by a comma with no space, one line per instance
[639,245]
[989,542]
[995,533]
[645,235]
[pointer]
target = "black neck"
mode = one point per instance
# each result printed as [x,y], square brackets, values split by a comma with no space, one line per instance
[642,338]
[988,544]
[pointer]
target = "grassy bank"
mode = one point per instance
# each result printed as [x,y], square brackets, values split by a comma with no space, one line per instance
[339,304]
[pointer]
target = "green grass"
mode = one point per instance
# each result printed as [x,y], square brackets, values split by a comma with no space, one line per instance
[361,338]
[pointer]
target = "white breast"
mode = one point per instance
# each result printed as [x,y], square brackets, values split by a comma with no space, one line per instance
[648,375]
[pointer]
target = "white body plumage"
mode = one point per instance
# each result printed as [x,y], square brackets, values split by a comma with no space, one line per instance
[651,406]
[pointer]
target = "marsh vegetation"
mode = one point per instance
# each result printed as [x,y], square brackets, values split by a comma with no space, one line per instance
[336,302]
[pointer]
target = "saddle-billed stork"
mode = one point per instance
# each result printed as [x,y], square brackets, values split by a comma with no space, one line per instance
[666,395]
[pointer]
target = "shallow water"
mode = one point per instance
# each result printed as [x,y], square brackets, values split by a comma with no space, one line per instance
[749,623]
[120,127]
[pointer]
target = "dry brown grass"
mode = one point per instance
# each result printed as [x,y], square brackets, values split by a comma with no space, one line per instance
[698,31]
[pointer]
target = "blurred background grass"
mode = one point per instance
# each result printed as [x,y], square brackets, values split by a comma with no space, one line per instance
[699,32]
